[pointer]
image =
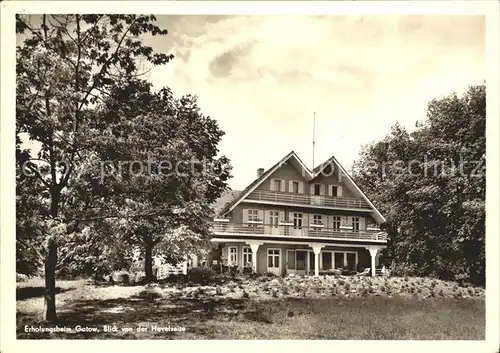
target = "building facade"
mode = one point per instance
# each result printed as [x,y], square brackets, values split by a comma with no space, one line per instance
[293,220]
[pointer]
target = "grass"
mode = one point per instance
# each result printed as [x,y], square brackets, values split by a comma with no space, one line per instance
[227,314]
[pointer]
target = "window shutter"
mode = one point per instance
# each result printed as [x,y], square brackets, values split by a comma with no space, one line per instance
[290,186]
[282,186]
[272,185]
[311,189]
[260,214]
[301,187]
[329,222]
[322,189]
[362,223]
[245,215]
[330,190]
[339,191]
[282,216]
[290,216]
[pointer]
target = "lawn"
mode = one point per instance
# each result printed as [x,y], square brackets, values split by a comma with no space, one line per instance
[257,309]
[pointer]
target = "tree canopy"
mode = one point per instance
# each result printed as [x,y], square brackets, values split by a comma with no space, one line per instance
[430,184]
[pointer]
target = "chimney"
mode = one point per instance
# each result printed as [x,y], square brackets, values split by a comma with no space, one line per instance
[260,171]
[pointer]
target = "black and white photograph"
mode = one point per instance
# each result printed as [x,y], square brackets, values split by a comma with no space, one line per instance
[250,175]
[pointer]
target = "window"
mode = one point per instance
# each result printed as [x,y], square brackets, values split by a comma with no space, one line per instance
[290,259]
[339,260]
[277,185]
[317,219]
[317,189]
[335,190]
[274,218]
[253,215]
[233,254]
[336,223]
[326,259]
[295,187]
[297,220]
[355,224]
[247,256]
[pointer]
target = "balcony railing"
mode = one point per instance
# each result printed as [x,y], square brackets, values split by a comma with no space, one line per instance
[264,229]
[301,199]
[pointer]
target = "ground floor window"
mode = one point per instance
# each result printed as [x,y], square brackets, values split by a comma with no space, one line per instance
[233,255]
[326,260]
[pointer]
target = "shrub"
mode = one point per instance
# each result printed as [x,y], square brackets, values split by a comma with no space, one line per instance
[201,275]
[21,277]
[122,277]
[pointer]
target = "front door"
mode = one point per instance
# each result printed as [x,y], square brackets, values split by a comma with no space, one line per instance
[274,261]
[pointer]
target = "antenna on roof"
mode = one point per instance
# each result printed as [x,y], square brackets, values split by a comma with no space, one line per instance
[314,137]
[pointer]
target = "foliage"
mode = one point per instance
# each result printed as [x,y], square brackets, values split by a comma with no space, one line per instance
[80,104]
[430,185]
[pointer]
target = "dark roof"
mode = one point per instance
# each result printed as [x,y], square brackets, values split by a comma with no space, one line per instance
[226,198]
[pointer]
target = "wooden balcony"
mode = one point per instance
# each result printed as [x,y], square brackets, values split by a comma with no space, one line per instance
[313,232]
[309,200]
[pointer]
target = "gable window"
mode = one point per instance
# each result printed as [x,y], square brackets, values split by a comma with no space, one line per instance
[277,185]
[335,190]
[233,255]
[317,189]
[295,187]
[336,222]
[247,256]
[317,219]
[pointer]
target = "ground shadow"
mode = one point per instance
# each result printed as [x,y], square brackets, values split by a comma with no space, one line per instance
[23,293]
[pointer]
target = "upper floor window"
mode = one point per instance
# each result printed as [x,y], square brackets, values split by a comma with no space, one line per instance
[253,215]
[336,222]
[295,187]
[317,219]
[355,223]
[335,190]
[277,185]
[317,189]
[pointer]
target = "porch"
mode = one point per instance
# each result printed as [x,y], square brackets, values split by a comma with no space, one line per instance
[297,258]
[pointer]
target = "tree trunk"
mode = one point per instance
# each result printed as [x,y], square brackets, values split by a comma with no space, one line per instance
[50,314]
[148,263]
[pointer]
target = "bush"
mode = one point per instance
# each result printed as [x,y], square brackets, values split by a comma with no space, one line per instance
[201,275]
[122,277]
[21,277]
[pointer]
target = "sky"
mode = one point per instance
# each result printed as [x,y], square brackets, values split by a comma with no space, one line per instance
[264,77]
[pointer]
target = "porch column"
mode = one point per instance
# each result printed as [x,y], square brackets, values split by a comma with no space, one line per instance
[373,255]
[317,251]
[254,245]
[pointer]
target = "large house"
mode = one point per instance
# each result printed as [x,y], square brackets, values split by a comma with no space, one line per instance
[293,220]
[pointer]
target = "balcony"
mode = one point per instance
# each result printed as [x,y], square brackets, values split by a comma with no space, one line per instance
[290,230]
[309,200]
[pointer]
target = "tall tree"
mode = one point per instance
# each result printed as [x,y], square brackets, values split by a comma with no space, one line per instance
[431,185]
[65,65]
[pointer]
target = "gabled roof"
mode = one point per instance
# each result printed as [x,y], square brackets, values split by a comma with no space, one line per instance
[317,171]
[309,175]
[263,177]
